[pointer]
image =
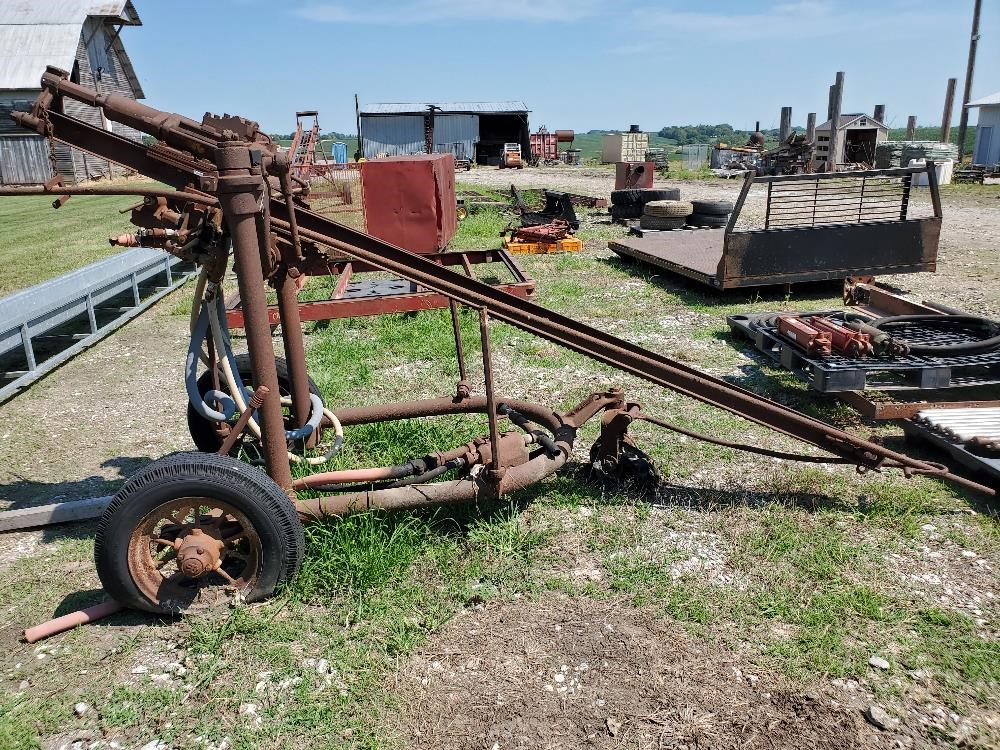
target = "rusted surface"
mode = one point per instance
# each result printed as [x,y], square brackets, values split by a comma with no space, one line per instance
[695,254]
[192,551]
[808,337]
[229,158]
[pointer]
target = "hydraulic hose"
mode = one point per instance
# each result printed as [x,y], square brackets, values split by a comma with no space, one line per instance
[967,347]
[191,378]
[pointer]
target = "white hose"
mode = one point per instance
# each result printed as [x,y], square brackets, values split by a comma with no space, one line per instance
[240,397]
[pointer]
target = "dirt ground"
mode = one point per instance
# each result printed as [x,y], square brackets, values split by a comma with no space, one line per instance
[575,672]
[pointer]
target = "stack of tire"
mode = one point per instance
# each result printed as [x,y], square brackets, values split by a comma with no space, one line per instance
[665,214]
[629,204]
[710,214]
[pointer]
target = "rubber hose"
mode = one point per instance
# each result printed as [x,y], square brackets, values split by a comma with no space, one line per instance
[968,347]
[191,377]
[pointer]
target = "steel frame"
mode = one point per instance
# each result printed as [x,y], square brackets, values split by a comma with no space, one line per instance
[276,240]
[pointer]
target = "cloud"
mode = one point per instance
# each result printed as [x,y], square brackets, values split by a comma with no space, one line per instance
[437,11]
[796,20]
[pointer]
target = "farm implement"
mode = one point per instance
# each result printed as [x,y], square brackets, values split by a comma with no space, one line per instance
[197,527]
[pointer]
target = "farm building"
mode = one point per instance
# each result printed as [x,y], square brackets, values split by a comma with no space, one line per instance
[81,36]
[987,148]
[858,135]
[470,130]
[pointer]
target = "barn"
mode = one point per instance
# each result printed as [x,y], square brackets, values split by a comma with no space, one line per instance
[987,148]
[470,130]
[81,36]
[858,135]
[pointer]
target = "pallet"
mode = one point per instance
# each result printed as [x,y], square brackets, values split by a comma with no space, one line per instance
[879,406]
[567,245]
[838,373]
[988,465]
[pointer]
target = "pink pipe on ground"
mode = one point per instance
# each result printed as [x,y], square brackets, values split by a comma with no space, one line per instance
[66,622]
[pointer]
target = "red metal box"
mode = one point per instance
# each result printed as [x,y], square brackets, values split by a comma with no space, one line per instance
[410,200]
[634,174]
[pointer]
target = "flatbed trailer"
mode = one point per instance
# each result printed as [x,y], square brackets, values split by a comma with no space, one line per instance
[816,227]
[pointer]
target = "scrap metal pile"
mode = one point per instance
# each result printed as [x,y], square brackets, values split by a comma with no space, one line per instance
[194,527]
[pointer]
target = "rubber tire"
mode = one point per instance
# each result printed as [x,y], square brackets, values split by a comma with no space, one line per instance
[202,430]
[668,209]
[701,220]
[661,222]
[628,197]
[712,208]
[659,194]
[631,211]
[245,487]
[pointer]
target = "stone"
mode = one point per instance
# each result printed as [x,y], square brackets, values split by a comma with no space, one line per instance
[879,718]
[878,662]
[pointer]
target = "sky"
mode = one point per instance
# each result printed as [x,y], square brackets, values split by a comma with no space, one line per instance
[579,64]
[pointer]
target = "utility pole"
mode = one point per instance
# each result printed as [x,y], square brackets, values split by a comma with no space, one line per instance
[911,127]
[949,103]
[963,120]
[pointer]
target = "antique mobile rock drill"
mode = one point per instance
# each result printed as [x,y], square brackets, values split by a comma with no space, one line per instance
[194,527]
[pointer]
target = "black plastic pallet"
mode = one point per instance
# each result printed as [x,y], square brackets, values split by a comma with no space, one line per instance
[840,373]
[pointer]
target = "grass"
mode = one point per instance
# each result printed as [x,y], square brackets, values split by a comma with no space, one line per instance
[39,243]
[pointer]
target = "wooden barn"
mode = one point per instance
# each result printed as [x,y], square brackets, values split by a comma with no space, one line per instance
[858,135]
[81,36]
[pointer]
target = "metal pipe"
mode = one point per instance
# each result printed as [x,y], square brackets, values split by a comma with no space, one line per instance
[439,493]
[295,351]
[491,404]
[240,207]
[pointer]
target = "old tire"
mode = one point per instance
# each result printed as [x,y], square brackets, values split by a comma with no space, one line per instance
[659,194]
[627,197]
[712,208]
[631,211]
[661,222]
[668,209]
[702,220]
[203,430]
[128,560]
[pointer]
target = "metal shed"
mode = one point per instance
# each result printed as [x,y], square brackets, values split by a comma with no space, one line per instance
[987,148]
[80,36]
[477,129]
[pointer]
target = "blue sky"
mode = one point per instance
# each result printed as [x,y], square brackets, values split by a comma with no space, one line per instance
[578,64]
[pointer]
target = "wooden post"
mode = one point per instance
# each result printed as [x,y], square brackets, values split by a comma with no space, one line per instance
[963,119]
[785,128]
[879,112]
[949,104]
[829,103]
[911,127]
[811,127]
[838,100]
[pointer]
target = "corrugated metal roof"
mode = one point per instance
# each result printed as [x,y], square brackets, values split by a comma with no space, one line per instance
[846,120]
[415,108]
[35,34]
[33,12]
[26,50]
[991,99]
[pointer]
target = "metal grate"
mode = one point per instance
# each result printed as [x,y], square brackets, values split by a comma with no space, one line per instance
[836,199]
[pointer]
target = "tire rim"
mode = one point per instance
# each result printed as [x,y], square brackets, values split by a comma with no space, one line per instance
[194,552]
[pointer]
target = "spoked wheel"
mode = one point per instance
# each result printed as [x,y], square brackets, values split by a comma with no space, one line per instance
[203,431]
[194,530]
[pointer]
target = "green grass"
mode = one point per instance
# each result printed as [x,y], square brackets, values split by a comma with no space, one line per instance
[38,242]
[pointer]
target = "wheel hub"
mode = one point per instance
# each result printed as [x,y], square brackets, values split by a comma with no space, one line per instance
[199,553]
